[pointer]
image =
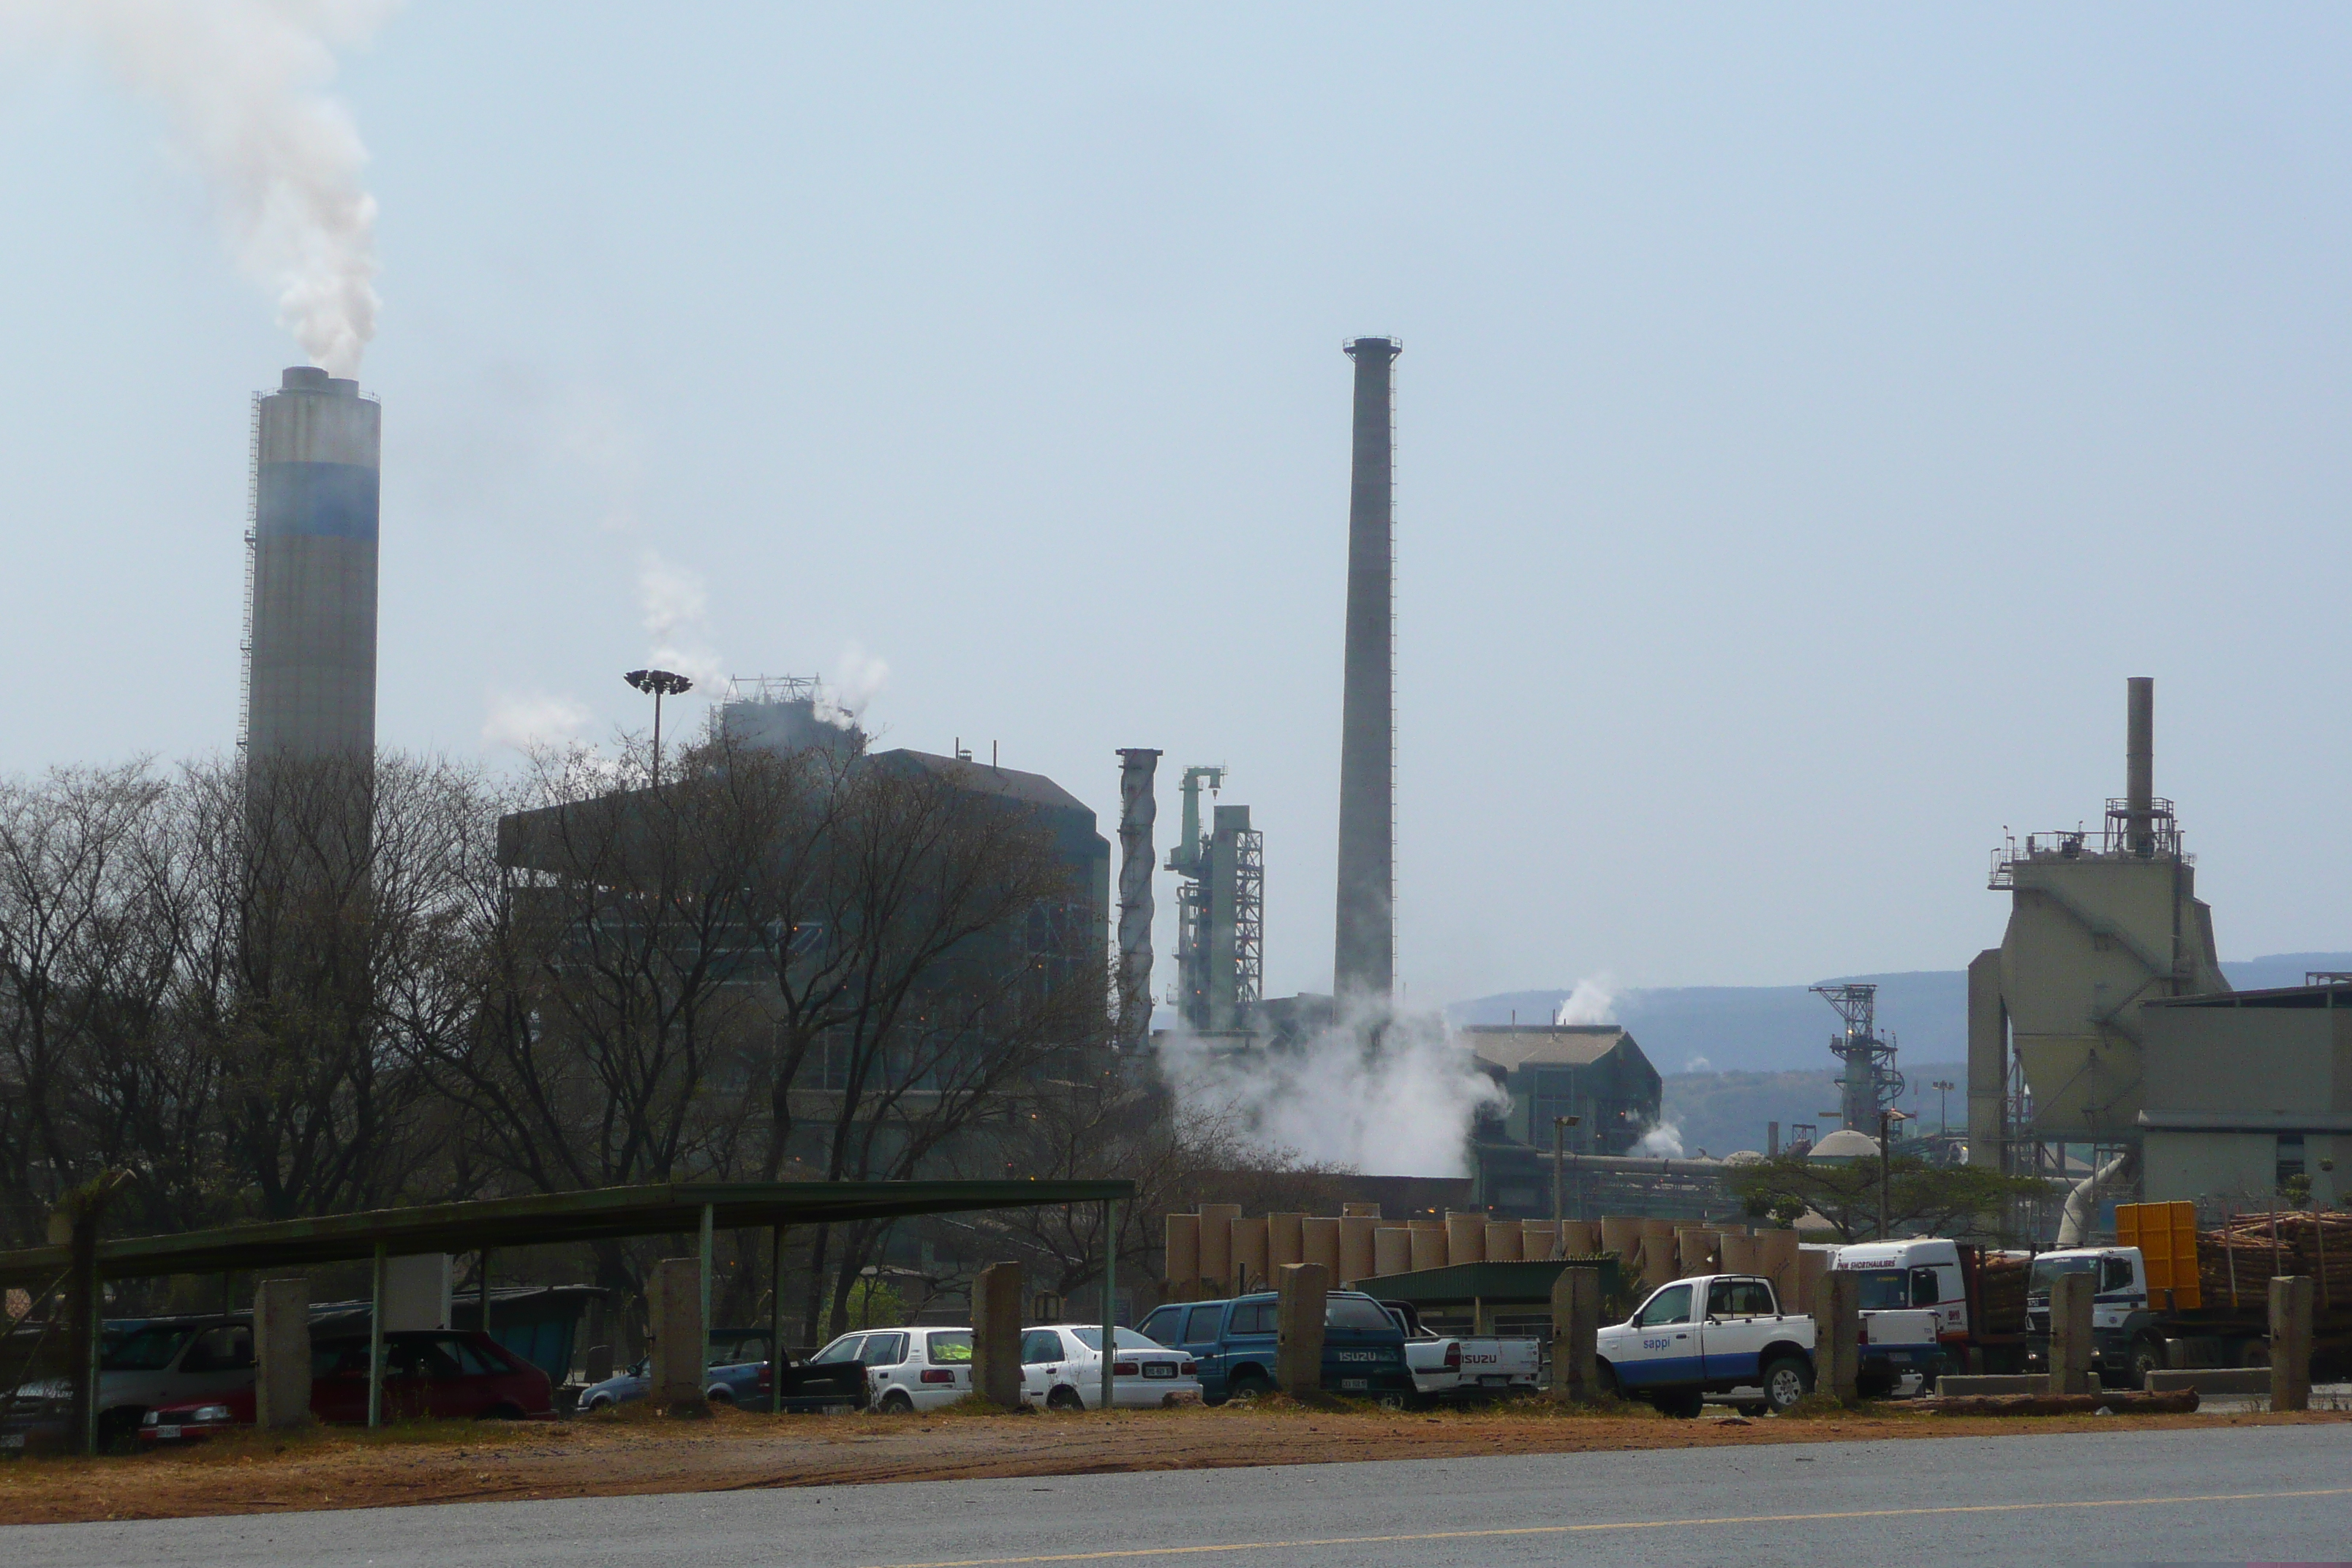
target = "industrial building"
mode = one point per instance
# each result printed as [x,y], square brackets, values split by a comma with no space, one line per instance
[311,571]
[2104,1019]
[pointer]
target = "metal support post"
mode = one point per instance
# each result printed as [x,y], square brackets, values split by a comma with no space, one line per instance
[95,1335]
[1110,1299]
[485,1324]
[776,1322]
[708,1213]
[375,1342]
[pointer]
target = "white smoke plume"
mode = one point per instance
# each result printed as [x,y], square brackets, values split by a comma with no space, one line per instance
[244,84]
[1593,1001]
[530,720]
[676,605]
[1661,1142]
[1383,1092]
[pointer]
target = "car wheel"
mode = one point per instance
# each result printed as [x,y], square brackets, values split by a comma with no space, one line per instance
[720,1395]
[1065,1398]
[501,1413]
[898,1402]
[601,1402]
[1604,1379]
[119,1426]
[1250,1384]
[1787,1381]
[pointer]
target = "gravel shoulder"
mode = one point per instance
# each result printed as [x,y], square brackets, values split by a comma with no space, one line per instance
[637,1452]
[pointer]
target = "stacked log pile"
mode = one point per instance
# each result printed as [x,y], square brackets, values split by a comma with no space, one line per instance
[2002,1283]
[2235,1262]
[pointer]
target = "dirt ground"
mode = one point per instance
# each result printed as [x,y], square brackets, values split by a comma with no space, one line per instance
[636,1451]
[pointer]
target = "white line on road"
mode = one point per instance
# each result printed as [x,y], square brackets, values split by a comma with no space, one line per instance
[1130,1553]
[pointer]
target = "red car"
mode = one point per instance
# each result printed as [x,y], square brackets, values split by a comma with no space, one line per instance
[438,1373]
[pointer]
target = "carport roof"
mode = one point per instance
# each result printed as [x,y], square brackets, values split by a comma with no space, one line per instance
[598,1214]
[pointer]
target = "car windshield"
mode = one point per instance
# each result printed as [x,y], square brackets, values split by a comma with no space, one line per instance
[1670,1305]
[2045,1269]
[841,1350]
[1127,1339]
[1882,1289]
[148,1350]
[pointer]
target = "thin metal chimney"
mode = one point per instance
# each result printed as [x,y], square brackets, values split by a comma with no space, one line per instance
[1139,808]
[2139,766]
[311,597]
[1363,958]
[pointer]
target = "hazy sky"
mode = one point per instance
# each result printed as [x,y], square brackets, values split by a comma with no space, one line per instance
[1807,418]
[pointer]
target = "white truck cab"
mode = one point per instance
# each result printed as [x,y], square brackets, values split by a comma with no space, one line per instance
[1912,1299]
[1708,1334]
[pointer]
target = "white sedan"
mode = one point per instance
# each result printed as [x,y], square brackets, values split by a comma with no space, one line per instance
[907,1369]
[1061,1368]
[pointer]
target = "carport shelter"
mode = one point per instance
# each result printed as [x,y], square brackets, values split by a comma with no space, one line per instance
[598,1214]
[1512,1300]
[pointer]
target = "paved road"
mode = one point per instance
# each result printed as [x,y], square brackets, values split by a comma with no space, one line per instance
[2181,1496]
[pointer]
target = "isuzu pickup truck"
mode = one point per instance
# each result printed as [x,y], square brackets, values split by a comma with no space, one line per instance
[1708,1335]
[1444,1367]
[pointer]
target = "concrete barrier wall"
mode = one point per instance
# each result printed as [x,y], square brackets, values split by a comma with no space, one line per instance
[1503,1241]
[1358,1250]
[1182,1259]
[1217,1243]
[1286,1240]
[1249,1250]
[1465,1237]
[1322,1244]
[1392,1250]
[1428,1246]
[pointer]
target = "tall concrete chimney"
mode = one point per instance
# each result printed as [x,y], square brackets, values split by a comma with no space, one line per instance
[309,663]
[1139,808]
[1363,959]
[2139,765]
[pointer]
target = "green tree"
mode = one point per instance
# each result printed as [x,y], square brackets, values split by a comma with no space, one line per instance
[1919,1197]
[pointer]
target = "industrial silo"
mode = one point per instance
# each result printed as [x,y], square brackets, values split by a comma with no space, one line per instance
[309,673]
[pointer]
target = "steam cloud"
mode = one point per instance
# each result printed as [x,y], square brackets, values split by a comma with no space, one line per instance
[244,83]
[1663,1141]
[1594,1001]
[527,722]
[1382,1092]
[676,604]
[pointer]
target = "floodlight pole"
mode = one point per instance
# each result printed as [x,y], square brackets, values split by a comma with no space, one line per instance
[660,683]
[1110,1300]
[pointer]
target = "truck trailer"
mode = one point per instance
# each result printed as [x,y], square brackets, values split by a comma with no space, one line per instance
[2168,1294]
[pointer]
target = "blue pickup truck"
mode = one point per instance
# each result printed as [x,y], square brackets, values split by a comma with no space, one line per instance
[1232,1340]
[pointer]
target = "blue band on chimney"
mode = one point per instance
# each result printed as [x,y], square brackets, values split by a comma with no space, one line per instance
[337,500]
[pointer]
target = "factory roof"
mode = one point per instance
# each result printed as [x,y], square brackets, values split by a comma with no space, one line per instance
[1515,1045]
[1031,789]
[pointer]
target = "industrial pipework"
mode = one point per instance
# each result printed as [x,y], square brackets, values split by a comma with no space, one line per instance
[311,570]
[1363,957]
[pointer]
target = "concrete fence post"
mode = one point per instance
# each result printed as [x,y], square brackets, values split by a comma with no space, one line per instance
[1837,1335]
[679,1352]
[1575,1331]
[1304,1295]
[2070,1333]
[996,1335]
[281,1353]
[2291,1341]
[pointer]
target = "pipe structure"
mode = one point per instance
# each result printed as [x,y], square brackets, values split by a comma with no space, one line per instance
[1139,809]
[311,606]
[2139,766]
[1364,951]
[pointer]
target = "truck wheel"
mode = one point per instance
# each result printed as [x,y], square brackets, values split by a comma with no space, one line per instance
[1065,1398]
[2146,1356]
[1786,1380]
[1250,1384]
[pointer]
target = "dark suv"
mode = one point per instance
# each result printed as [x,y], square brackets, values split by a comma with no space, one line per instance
[1233,1342]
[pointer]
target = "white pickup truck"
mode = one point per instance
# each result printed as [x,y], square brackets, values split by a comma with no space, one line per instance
[1448,1368]
[1708,1335]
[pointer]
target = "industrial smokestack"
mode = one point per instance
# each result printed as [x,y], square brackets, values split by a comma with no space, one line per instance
[1139,808]
[309,666]
[1364,953]
[2139,766]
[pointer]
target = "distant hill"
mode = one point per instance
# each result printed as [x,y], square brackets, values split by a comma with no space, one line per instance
[1782,1028]
[1722,1113]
